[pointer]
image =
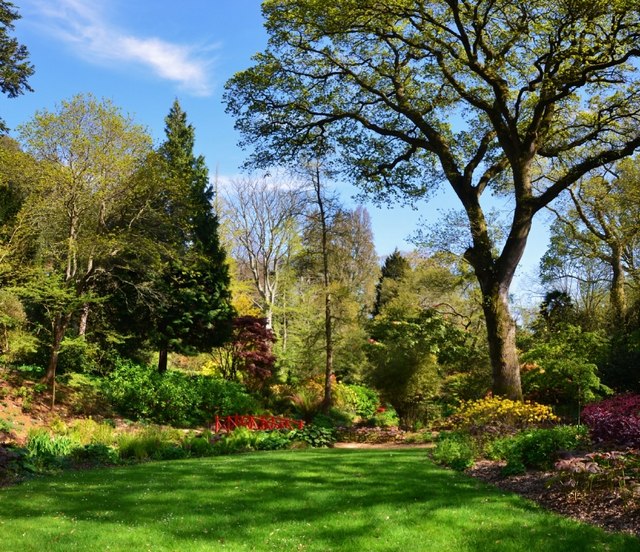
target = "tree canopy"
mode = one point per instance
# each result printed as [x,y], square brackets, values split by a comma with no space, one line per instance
[509,97]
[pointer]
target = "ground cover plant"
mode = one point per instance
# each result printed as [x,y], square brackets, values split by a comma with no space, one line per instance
[304,500]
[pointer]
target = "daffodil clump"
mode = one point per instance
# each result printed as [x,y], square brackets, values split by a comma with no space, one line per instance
[504,414]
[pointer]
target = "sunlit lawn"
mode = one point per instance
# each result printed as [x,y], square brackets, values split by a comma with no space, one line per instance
[305,500]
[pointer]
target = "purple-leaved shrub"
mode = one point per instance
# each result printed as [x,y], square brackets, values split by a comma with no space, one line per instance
[615,420]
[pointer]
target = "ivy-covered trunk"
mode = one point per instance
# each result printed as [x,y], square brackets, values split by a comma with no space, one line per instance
[501,333]
[617,295]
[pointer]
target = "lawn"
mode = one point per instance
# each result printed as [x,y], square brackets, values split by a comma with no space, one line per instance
[321,500]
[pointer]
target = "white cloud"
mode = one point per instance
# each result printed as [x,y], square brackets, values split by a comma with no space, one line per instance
[82,24]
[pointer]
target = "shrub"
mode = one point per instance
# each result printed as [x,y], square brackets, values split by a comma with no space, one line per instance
[140,392]
[199,446]
[95,455]
[171,452]
[561,370]
[500,415]
[385,417]
[241,439]
[6,427]
[89,432]
[615,420]
[537,448]
[274,440]
[13,462]
[315,436]
[360,400]
[454,450]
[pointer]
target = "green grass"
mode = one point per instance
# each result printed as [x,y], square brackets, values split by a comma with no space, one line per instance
[346,500]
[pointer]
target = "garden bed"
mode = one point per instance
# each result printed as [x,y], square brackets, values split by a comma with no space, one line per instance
[614,509]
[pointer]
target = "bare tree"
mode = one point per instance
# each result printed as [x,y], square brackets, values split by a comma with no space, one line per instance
[262,215]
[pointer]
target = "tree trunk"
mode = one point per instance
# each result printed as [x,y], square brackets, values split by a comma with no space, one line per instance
[501,334]
[495,276]
[59,328]
[84,319]
[617,297]
[162,359]
[328,322]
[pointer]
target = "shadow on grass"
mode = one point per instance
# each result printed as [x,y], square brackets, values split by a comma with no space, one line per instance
[311,500]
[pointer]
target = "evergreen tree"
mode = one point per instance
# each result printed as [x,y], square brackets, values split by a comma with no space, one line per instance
[15,69]
[394,269]
[196,310]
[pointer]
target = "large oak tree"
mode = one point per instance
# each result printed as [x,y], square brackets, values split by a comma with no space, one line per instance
[516,97]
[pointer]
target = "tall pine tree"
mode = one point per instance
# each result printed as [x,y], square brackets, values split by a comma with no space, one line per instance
[196,310]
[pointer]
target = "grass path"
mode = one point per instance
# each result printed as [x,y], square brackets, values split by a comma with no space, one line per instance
[325,500]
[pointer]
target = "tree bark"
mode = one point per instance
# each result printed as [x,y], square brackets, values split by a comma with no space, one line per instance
[328,322]
[501,333]
[163,357]
[60,324]
[618,298]
[84,319]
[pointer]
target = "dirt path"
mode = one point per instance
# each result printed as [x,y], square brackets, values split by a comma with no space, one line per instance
[384,445]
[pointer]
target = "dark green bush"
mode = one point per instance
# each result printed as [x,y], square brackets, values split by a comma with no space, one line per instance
[95,455]
[455,450]
[537,448]
[199,447]
[140,392]
[171,452]
[315,436]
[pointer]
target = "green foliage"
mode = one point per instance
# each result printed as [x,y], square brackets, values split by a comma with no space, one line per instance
[307,402]
[6,426]
[404,362]
[243,439]
[47,450]
[152,442]
[78,355]
[199,446]
[315,436]
[95,455]
[195,311]
[455,450]
[360,400]
[537,448]
[14,58]
[385,417]
[562,369]
[140,392]
[89,432]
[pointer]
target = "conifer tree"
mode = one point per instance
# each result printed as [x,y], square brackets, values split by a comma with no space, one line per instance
[196,312]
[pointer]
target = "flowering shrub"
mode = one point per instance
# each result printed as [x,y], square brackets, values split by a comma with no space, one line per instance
[614,420]
[502,414]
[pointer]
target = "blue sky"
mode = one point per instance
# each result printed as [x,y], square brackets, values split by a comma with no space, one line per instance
[142,54]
